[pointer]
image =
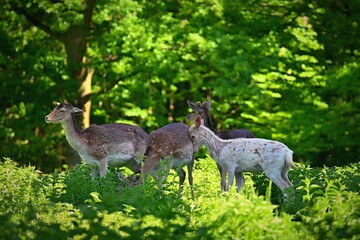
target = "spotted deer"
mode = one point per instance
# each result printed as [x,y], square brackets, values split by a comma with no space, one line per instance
[103,145]
[203,110]
[171,142]
[236,156]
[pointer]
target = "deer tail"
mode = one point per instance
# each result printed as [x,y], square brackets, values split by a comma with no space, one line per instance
[289,159]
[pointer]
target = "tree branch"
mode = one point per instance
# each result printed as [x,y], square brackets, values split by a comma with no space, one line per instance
[35,22]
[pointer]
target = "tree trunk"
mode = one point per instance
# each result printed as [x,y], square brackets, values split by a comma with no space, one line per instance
[75,41]
[85,95]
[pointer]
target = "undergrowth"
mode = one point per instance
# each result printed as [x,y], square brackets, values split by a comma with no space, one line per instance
[322,204]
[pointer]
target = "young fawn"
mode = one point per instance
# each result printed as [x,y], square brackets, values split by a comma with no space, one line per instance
[245,155]
[101,145]
[203,110]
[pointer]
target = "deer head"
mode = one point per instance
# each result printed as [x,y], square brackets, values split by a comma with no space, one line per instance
[62,113]
[202,110]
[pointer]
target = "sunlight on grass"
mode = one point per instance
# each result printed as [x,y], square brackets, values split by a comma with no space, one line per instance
[71,205]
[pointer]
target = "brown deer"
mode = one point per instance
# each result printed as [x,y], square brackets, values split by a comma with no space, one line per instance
[101,145]
[203,110]
[246,155]
[173,143]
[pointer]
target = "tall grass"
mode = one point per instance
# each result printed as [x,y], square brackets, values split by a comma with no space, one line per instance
[323,204]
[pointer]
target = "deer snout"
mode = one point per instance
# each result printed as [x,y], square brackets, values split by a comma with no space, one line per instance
[47,119]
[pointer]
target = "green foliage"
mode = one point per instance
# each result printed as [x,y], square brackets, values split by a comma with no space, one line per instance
[331,211]
[287,70]
[76,187]
[71,205]
[19,186]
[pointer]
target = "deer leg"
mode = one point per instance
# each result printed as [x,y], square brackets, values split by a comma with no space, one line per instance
[223,179]
[223,174]
[231,176]
[150,163]
[94,171]
[277,179]
[103,167]
[284,177]
[240,180]
[182,175]
[134,165]
[164,169]
[190,177]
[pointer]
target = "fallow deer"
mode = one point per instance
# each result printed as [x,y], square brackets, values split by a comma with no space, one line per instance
[113,144]
[203,110]
[171,142]
[245,155]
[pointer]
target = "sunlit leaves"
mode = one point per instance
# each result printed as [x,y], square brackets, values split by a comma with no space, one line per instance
[323,202]
[122,66]
[284,69]
[305,35]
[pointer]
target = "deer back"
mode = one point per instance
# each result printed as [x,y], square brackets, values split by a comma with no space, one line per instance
[172,139]
[115,138]
[232,134]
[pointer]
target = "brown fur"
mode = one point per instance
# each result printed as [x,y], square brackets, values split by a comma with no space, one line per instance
[101,145]
[174,143]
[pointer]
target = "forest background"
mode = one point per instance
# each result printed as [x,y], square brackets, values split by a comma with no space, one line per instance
[286,70]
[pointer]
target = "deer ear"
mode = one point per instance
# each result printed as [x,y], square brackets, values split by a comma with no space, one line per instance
[77,110]
[198,121]
[190,103]
[193,106]
[207,104]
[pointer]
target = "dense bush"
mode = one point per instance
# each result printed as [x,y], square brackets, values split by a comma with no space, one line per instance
[71,205]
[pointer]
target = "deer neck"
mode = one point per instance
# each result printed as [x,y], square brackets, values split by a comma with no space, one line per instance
[72,133]
[212,142]
[208,121]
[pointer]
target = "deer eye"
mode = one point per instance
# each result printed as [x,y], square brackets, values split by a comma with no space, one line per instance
[192,137]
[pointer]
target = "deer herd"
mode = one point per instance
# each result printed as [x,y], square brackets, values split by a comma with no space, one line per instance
[174,146]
